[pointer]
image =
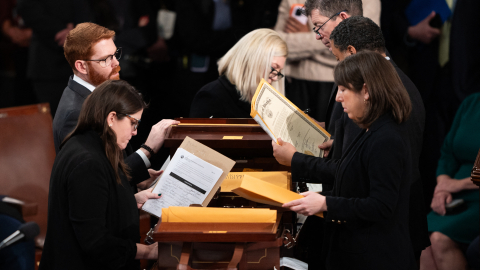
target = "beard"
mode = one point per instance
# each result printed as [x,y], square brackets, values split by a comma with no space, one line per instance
[97,78]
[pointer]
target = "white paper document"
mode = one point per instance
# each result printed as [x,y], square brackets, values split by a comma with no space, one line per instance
[282,119]
[187,180]
[163,168]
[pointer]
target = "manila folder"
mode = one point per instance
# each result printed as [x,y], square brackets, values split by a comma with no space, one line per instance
[260,191]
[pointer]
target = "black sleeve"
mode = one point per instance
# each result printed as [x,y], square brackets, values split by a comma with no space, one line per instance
[138,170]
[385,164]
[311,169]
[88,188]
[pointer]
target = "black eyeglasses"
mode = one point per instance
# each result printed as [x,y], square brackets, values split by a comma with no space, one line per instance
[321,26]
[135,121]
[107,61]
[276,73]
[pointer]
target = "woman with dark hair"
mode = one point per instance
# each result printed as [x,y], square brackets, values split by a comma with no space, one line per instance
[366,213]
[93,220]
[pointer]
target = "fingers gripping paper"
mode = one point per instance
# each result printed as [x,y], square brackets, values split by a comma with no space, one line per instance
[262,192]
[280,118]
[192,177]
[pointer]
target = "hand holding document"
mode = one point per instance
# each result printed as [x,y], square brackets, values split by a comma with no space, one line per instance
[192,177]
[280,118]
[262,192]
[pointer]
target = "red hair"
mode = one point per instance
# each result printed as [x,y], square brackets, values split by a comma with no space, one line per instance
[80,40]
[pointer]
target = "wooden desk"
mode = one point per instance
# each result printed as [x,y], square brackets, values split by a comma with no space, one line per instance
[218,245]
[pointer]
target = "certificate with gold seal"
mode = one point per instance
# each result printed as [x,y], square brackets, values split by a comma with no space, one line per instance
[280,118]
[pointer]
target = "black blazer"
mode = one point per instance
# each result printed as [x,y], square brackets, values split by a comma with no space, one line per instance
[93,221]
[219,99]
[309,169]
[66,119]
[368,208]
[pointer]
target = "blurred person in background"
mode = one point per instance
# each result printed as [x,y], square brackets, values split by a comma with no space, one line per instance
[18,37]
[452,230]
[51,20]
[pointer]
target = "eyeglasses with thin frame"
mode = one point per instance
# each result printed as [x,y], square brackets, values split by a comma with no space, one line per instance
[321,26]
[135,121]
[276,73]
[107,61]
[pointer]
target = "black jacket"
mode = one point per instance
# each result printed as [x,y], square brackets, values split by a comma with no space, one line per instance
[66,119]
[310,169]
[219,99]
[368,208]
[93,221]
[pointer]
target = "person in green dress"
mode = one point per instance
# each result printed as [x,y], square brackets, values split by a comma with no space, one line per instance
[451,232]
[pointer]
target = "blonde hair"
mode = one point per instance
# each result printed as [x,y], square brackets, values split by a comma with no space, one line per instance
[250,60]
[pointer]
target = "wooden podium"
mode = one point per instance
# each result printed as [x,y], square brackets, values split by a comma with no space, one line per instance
[229,246]
[242,140]
[224,246]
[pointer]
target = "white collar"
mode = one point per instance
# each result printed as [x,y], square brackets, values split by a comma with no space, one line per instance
[84,83]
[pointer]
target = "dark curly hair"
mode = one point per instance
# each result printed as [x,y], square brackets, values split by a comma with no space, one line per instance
[360,32]
[328,8]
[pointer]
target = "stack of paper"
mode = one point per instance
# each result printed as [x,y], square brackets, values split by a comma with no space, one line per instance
[218,215]
[262,192]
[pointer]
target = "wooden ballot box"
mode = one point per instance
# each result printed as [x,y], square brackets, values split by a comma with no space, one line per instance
[242,140]
[225,246]
[218,245]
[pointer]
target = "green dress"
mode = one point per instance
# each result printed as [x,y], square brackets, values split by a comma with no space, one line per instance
[459,152]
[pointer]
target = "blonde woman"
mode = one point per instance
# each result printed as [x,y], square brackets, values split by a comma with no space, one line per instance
[259,54]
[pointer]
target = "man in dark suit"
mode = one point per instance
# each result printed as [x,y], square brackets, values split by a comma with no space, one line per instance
[349,37]
[93,57]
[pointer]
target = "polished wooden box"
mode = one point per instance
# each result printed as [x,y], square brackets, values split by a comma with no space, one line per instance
[242,140]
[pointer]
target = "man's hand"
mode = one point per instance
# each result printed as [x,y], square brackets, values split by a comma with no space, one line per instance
[294,26]
[423,32]
[158,133]
[283,152]
[326,146]
[62,35]
[147,183]
[311,204]
[440,199]
[143,196]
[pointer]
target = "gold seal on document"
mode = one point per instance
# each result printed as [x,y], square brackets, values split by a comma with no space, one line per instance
[308,153]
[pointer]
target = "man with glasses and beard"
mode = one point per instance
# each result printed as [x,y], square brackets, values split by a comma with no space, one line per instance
[93,57]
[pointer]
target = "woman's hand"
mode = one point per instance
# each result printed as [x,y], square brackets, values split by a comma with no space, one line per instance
[147,183]
[283,152]
[143,196]
[145,252]
[326,146]
[446,183]
[440,199]
[311,204]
